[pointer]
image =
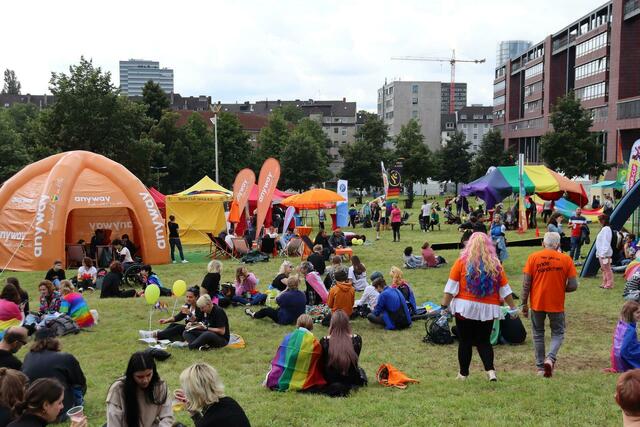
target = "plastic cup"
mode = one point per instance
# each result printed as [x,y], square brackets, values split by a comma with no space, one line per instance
[76,413]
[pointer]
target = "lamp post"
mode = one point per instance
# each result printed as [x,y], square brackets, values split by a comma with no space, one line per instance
[158,169]
[214,121]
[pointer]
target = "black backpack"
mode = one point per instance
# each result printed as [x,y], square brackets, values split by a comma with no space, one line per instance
[63,325]
[437,334]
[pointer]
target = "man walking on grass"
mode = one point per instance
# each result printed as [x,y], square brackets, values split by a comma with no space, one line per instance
[548,275]
[576,222]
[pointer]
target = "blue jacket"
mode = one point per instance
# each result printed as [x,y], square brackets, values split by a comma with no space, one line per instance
[389,301]
[292,305]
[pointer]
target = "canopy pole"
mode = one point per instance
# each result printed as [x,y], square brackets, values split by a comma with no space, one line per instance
[522,215]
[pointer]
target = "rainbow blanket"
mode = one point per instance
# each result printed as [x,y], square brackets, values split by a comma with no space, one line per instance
[76,307]
[625,351]
[10,315]
[296,365]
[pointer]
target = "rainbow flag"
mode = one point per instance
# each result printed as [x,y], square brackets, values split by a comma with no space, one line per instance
[10,315]
[296,365]
[76,307]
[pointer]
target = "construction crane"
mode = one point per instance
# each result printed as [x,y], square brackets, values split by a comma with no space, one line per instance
[451,61]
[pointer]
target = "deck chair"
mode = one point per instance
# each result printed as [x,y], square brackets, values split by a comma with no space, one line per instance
[75,254]
[217,249]
[308,247]
[268,246]
[240,247]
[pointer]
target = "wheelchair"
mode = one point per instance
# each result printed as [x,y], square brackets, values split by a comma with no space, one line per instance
[131,276]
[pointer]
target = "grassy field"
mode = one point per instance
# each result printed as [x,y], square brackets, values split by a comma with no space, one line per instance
[578,394]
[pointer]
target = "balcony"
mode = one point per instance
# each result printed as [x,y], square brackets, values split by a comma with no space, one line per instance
[631,8]
[562,42]
[527,124]
[629,109]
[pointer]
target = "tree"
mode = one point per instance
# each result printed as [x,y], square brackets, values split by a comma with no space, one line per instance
[11,83]
[454,160]
[199,139]
[570,148]
[235,151]
[90,115]
[491,153]
[304,160]
[175,154]
[362,159]
[290,113]
[13,153]
[417,161]
[155,100]
[273,138]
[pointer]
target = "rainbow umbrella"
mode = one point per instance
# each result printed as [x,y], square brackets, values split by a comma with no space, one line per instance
[503,181]
[568,209]
[632,267]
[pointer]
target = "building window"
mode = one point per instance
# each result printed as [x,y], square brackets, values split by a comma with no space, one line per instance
[389,103]
[463,117]
[477,117]
[500,72]
[591,68]
[533,71]
[389,115]
[532,106]
[344,132]
[414,100]
[475,136]
[499,86]
[344,142]
[335,130]
[498,100]
[464,125]
[597,90]
[414,89]
[531,89]
[390,90]
[449,125]
[592,44]
[498,114]
[414,114]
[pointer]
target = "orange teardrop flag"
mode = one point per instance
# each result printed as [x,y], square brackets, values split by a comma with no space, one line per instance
[269,176]
[241,190]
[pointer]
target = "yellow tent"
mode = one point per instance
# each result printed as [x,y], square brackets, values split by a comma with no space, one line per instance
[199,210]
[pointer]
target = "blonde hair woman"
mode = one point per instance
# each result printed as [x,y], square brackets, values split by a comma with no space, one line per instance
[211,280]
[205,399]
[280,281]
[73,304]
[477,282]
[398,282]
[211,328]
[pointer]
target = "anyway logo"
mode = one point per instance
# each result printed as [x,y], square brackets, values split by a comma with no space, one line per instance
[22,200]
[12,235]
[242,190]
[115,225]
[92,199]
[158,223]
[37,241]
[265,187]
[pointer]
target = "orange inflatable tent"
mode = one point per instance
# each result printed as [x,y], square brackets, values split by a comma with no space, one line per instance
[64,198]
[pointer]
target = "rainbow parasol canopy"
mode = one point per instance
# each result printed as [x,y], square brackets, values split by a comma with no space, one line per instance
[503,181]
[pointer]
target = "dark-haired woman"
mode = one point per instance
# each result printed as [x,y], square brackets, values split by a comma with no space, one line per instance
[12,386]
[340,353]
[111,283]
[188,313]
[358,274]
[10,313]
[87,274]
[140,398]
[42,405]
[24,296]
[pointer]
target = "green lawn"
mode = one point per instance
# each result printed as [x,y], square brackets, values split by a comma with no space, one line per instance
[578,394]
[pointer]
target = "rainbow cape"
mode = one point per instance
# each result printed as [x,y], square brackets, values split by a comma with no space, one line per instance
[10,315]
[625,351]
[296,365]
[76,307]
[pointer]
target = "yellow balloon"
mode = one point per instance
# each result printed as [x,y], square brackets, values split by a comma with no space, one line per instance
[179,288]
[151,294]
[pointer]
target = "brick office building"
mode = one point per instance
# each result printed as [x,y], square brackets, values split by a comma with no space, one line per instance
[597,57]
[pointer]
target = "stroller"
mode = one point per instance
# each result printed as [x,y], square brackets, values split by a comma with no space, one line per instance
[449,217]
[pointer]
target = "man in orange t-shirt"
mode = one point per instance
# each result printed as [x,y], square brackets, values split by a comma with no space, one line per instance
[548,275]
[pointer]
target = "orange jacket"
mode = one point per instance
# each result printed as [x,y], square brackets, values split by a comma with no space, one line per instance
[341,297]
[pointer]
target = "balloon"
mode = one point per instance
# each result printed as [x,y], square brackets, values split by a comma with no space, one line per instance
[151,294]
[179,288]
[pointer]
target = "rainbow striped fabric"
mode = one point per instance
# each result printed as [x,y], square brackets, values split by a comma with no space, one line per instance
[10,315]
[296,365]
[625,351]
[76,307]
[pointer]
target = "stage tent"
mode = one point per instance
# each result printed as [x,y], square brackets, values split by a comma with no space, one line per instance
[199,210]
[66,197]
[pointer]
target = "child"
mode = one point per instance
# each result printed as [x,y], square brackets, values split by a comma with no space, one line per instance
[628,397]
[625,352]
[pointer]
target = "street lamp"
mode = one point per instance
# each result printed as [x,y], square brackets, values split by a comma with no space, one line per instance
[214,121]
[158,169]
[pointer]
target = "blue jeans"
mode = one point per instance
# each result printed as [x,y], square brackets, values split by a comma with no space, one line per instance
[576,244]
[255,299]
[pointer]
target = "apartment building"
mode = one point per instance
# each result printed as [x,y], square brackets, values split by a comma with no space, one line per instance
[135,73]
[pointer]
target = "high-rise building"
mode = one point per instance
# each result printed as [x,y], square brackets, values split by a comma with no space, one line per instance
[401,101]
[510,49]
[135,73]
[596,57]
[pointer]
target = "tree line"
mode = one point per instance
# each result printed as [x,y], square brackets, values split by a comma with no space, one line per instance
[90,114]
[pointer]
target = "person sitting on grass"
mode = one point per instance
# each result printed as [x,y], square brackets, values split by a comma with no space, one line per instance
[150,278]
[291,302]
[122,254]
[315,291]
[337,240]
[13,384]
[46,360]
[74,305]
[625,351]
[111,283]
[140,397]
[50,298]
[56,273]
[367,303]
[391,309]
[188,312]
[340,353]
[297,363]
[358,274]
[211,280]
[280,281]
[205,399]
[317,259]
[15,337]
[10,313]
[322,238]
[246,288]
[430,258]
[211,328]
[87,275]
[412,261]
[341,296]
[336,264]
[628,397]
[398,282]
[24,296]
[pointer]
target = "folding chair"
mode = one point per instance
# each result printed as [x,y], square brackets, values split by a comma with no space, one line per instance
[75,254]
[216,248]
[308,247]
[240,246]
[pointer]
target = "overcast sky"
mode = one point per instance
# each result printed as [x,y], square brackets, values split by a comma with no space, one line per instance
[254,50]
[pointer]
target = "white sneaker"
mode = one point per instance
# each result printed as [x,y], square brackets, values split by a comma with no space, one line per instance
[174,261]
[184,261]
[461,377]
[492,375]
[146,334]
